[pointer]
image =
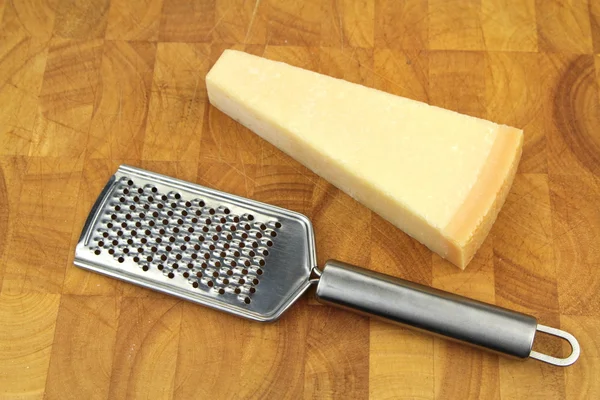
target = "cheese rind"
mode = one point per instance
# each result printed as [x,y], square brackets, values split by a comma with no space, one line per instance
[474,219]
[436,174]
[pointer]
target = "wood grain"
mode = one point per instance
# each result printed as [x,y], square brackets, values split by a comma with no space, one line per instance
[84,342]
[403,73]
[295,23]
[457,81]
[145,350]
[197,373]
[461,373]
[594,8]
[564,27]
[77,19]
[31,18]
[176,109]
[239,21]
[573,143]
[118,125]
[134,20]
[509,25]
[351,64]
[515,98]
[186,21]
[575,222]
[525,264]
[86,86]
[282,344]
[22,64]
[401,24]
[67,96]
[477,282]
[39,250]
[455,25]
[348,23]
[395,253]
[329,373]
[401,363]
[12,170]
[531,380]
[296,194]
[581,380]
[27,329]
[335,218]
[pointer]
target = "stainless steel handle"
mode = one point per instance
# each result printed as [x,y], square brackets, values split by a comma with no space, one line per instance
[432,310]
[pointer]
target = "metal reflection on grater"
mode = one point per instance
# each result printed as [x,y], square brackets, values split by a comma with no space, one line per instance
[212,248]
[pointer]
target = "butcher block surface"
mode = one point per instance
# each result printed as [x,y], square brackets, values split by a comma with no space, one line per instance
[88,85]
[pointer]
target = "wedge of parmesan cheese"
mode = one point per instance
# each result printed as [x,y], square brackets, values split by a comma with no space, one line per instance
[438,175]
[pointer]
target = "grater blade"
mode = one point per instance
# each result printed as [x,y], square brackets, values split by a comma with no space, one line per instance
[223,251]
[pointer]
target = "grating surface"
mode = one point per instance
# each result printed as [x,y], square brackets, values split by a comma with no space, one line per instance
[210,247]
[206,246]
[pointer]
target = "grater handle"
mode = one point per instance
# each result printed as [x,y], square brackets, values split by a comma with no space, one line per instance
[435,311]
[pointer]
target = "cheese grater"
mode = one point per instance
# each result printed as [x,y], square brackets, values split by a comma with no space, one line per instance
[254,260]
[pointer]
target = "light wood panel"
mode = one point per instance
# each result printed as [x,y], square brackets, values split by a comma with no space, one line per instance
[78,19]
[88,85]
[84,344]
[118,125]
[32,18]
[37,255]
[197,373]
[145,350]
[509,25]
[401,363]
[67,97]
[134,20]
[176,103]
[326,374]
[23,61]
[26,333]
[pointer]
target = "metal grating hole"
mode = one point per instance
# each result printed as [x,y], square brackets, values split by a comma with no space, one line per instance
[146,227]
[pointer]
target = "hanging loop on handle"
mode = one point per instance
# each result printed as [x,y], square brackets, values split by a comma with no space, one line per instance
[561,362]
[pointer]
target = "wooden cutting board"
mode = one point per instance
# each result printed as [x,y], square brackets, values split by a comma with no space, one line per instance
[86,86]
